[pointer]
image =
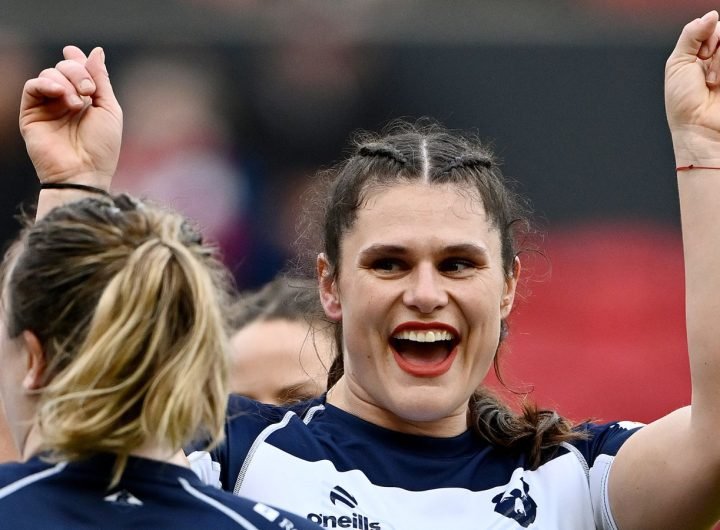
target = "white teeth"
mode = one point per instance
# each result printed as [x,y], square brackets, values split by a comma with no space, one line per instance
[434,335]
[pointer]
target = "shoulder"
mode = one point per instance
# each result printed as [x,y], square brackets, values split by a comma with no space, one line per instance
[247,418]
[250,514]
[16,476]
[245,410]
[604,439]
[248,423]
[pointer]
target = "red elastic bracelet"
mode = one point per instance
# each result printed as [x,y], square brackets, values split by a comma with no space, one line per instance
[693,166]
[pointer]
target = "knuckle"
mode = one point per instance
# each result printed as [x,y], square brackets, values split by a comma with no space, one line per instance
[48,72]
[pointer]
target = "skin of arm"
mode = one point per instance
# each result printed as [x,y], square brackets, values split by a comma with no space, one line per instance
[668,474]
[72,126]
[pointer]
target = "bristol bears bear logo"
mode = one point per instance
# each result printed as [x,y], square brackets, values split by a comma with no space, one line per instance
[516,503]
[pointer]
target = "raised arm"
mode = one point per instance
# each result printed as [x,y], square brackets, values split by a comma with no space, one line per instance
[72,126]
[668,474]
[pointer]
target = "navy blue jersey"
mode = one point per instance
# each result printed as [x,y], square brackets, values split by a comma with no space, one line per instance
[343,472]
[151,495]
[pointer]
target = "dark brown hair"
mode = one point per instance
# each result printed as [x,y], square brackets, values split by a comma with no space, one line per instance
[284,298]
[429,153]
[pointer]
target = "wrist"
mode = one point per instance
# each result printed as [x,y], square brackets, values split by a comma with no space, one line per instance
[692,167]
[53,195]
[695,147]
[93,179]
[71,186]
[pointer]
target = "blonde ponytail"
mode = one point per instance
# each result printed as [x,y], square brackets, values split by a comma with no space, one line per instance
[145,361]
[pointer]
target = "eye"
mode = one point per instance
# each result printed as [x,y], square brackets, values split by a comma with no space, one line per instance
[387,265]
[456,266]
[298,393]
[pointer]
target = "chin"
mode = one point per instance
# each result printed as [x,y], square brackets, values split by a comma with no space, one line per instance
[426,405]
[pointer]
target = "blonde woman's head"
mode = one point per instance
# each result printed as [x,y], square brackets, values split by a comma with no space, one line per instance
[126,306]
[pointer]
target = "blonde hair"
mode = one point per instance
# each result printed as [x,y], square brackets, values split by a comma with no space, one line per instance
[130,307]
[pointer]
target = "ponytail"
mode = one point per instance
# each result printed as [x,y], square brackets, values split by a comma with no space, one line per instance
[139,357]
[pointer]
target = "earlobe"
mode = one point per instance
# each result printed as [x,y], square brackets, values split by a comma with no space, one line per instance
[36,363]
[328,289]
[510,288]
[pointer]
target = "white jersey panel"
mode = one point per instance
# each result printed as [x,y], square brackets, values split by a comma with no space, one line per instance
[350,500]
[340,471]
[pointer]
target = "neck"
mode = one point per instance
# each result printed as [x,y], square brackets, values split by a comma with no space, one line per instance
[358,403]
[33,443]
[162,454]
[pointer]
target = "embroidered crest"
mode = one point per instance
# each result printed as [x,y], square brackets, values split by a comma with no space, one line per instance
[516,503]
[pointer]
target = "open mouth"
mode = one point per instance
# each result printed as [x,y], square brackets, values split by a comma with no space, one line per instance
[427,352]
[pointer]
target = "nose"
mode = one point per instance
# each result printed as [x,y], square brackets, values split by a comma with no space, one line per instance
[425,292]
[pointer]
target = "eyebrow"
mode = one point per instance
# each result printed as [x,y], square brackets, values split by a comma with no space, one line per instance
[398,250]
[383,249]
[467,248]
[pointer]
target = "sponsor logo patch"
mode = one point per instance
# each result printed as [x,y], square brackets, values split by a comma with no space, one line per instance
[339,496]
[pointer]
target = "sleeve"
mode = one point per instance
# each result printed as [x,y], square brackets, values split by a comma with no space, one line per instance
[599,449]
[205,468]
[221,466]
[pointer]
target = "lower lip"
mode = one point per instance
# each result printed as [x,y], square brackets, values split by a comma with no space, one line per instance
[425,370]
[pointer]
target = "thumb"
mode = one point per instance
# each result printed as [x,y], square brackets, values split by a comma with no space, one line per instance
[74,53]
[104,96]
[693,35]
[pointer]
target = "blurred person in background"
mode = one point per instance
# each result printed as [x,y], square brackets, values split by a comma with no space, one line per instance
[282,348]
[305,90]
[18,63]
[176,147]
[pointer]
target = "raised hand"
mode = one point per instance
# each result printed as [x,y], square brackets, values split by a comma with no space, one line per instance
[692,93]
[71,121]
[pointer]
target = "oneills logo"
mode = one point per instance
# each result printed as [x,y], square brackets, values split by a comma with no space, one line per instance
[340,496]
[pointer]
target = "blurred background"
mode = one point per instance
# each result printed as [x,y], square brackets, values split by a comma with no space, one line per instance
[231,106]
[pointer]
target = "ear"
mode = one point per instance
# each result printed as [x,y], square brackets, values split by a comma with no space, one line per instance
[328,289]
[36,364]
[508,298]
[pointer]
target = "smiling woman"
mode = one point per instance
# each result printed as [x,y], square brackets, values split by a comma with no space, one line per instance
[422,245]
[418,270]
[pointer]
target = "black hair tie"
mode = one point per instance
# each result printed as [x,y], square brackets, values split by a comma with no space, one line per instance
[70,186]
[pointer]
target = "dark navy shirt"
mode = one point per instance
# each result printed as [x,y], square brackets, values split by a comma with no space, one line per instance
[151,495]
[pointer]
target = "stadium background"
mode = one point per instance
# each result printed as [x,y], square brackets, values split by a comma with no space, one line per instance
[232,105]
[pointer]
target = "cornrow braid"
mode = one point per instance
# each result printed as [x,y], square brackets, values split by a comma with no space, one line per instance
[385,151]
[470,160]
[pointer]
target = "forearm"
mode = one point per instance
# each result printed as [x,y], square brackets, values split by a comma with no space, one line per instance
[700,212]
[697,153]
